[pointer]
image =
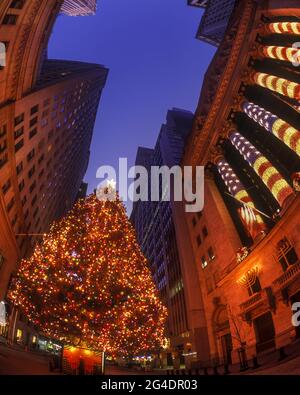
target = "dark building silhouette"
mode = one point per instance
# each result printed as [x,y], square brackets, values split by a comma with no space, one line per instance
[215,19]
[79,7]
[156,233]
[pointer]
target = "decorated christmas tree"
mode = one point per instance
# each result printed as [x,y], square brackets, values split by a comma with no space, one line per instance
[88,283]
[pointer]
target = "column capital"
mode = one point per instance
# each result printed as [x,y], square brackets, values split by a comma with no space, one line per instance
[216,154]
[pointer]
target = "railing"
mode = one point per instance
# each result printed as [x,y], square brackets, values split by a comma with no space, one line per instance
[288,275]
[252,301]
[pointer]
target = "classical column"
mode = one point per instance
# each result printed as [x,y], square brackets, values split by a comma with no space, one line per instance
[281,129]
[284,28]
[270,176]
[288,54]
[276,84]
[250,217]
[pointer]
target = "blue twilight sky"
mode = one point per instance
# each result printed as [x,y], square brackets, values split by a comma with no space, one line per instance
[155,64]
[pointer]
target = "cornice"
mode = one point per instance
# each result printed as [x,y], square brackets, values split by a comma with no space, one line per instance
[201,138]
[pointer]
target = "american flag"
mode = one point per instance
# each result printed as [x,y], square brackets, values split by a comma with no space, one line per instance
[249,219]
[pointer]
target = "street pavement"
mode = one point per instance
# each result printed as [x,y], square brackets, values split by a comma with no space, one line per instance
[287,367]
[18,362]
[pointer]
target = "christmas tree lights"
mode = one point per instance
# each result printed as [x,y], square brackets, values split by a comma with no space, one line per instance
[88,283]
[270,176]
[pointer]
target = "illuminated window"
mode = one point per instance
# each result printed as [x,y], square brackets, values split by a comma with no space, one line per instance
[19,334]
[203,262]
[211,254]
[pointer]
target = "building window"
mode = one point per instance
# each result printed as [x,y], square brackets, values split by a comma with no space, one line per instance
[19,335]
[35,212]
[203,262]
[34,110]
[3,146]
[286,254]
[34,200]
[31,172]
[24,200]
[211,254]
[32,187]
[21,185]
[6,186]
[41,158]
[3,160]
[204,232]
[41,173]
[199,240]
[19,119]
[19,145]
[14,221]
[255,287]
[30,156]
[10,205]
[10,19]
[19,133]
[33,122]
[19,168]
[32,133]
[199,214]
[3,130]
[17,4]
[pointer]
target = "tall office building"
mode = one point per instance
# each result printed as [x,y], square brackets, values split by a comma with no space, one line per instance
[156,233]
[47,116]
[79,7]
[245,242]
[215,19]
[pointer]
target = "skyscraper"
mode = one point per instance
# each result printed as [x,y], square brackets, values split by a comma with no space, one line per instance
[47,116]
[79,7]
[215,19]
[156,232]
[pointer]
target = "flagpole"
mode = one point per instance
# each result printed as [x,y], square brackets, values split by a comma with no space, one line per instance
[246,204]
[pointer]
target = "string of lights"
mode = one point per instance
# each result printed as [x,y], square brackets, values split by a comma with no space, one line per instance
[270,122]
[288,54]
[254,224]
[270,176]
[284,27]
[276,84]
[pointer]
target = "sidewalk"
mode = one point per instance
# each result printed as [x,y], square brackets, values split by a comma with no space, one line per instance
[20,362]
